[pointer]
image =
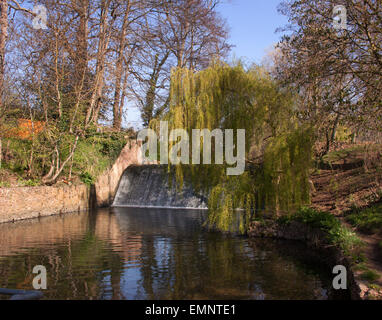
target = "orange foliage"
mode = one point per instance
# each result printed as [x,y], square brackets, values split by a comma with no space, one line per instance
[25,129]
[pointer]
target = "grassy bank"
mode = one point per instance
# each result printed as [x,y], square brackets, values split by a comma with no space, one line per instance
[24,165]
[367,220]
[356,248]
[348,187]
[336,234]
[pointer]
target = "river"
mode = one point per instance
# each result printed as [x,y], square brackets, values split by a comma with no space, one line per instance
[132,253]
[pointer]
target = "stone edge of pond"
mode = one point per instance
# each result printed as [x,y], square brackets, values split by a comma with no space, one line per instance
[316,239]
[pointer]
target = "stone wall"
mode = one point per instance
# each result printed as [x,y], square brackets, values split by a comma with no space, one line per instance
[31,202]
[107,184]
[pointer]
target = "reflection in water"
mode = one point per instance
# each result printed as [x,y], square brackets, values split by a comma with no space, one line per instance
[130,253]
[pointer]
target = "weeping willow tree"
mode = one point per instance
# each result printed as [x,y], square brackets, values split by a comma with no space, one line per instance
[278,148]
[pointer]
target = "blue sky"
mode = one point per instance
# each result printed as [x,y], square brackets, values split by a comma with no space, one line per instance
[252,25]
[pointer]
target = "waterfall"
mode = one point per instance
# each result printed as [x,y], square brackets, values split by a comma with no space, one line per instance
[148,187]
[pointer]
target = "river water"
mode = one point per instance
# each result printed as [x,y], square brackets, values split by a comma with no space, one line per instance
[132,253]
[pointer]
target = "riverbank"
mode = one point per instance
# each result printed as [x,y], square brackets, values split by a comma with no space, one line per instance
[304,226]
[347,184]
[19,203]
[332,255]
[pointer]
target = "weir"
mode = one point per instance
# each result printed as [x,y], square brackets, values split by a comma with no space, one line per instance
[148,186]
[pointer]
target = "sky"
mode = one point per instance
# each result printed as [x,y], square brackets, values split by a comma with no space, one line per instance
[252,25]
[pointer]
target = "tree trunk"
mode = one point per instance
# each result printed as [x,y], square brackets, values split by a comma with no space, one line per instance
[95,100]
[81,59]
[49,179]
[334,130]
[148,112]
[82,41]
[3,40]
[331,135]
[117,114]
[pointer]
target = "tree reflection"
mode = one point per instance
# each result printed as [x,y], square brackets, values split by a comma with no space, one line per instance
[151,254]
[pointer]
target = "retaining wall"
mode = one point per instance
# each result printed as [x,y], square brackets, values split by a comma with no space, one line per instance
[30,202]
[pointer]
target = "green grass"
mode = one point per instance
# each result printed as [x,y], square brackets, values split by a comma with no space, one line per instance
[337,234]
[367,220]
[28,182]
[95,154]
[369,275]
[361,267]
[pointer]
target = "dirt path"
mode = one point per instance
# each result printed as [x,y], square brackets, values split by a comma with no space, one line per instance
[372,250]
[347,180]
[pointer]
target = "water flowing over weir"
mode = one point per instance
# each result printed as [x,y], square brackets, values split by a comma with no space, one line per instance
[148,187]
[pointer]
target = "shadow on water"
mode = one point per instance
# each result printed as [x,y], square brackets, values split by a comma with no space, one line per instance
[131,253]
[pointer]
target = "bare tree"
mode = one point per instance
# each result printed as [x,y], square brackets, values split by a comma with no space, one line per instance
[92,57]
[186,33]
[338,73]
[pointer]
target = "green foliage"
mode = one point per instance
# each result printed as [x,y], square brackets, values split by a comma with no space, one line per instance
[28,183]
[230,97]
[370,275]
[351,153]
[96,152]
[224,200]
[89,158]
[361,267]
[348,241]
[368,220]
[4,184]
[343,134]
[284,180]
[111,143]
[336,233]
[87,178]
[20,154]
[316,219]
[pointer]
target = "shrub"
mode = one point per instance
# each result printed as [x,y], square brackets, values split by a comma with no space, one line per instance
[29,183]
[87,178]
[337,234]
[316,219]
[95,153]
